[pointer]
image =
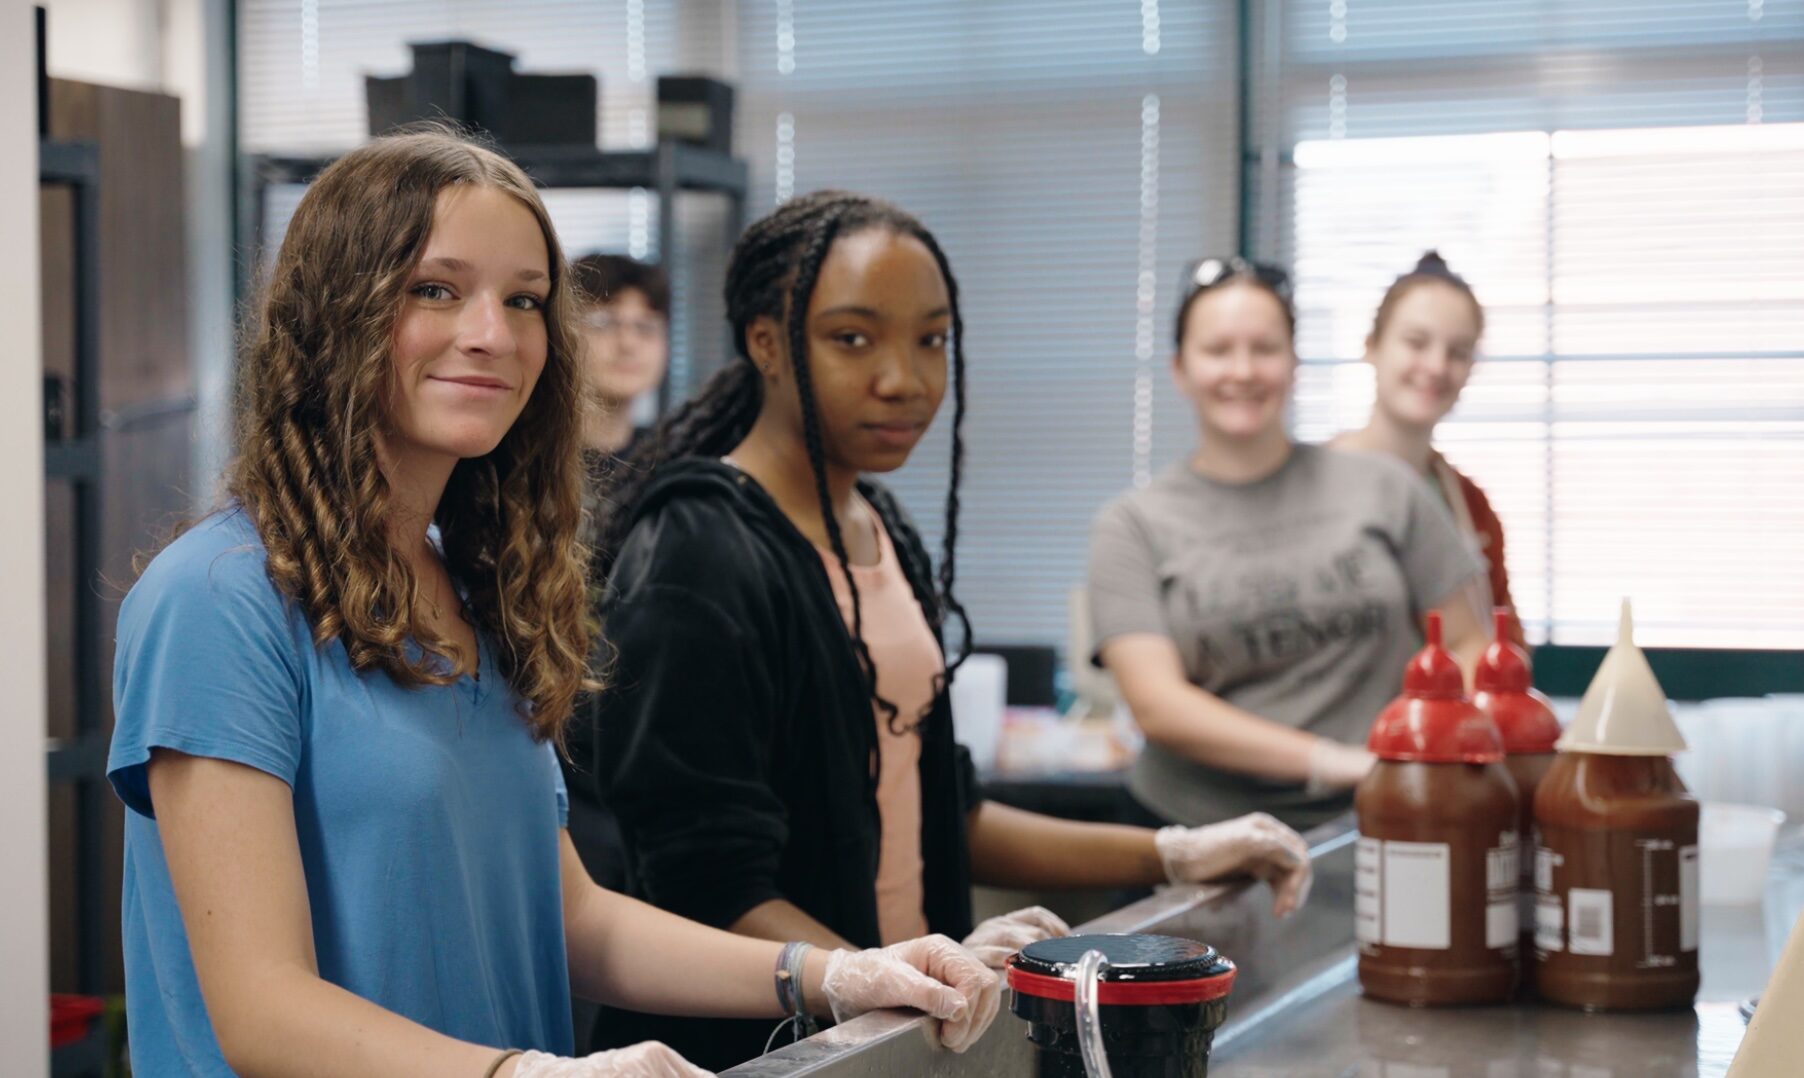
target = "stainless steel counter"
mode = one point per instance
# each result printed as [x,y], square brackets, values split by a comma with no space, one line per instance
[1297,1012]
[1340,1033]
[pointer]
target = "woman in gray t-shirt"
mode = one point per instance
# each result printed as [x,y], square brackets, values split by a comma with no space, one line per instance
[1257,603]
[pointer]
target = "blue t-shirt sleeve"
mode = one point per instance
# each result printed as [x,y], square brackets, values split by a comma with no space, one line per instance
[207,664]
[563,791]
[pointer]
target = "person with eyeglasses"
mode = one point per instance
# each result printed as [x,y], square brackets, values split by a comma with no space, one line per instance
[624,318]
[626,342]
[1422,347]
[1257,602]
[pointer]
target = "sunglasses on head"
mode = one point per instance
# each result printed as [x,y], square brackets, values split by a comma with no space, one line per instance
[1206,273]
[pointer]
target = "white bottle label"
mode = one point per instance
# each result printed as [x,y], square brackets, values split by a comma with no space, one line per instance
[1501,924]
[1368,901]
[1417,895]
[1550,924]
[1545,859]
[1503,872]
[1591,913]
[1502,864]
[1688,898]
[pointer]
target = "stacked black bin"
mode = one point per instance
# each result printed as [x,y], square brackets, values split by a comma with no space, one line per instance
[478,88]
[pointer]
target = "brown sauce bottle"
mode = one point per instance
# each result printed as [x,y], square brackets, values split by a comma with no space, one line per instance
[1503,689]
[1616,860]
[1616,884]
[1435,886]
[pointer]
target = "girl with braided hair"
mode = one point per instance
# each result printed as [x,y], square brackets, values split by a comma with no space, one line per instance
[338,695]
[776,739]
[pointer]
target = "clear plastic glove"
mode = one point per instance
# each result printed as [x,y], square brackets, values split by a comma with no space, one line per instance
[930,974]
[1255,844]
[1334,767]
[647,1060]
[997,938]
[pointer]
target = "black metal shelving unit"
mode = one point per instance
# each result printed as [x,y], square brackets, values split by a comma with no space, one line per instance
[72,455]
[670,169]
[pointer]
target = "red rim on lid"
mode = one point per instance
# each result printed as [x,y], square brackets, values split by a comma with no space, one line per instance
[1433,722]
[1143,970]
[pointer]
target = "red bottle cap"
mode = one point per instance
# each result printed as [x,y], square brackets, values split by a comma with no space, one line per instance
[1433,722]
[1505,692]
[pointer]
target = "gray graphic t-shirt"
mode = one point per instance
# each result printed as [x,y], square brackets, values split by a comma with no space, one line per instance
[1298,597]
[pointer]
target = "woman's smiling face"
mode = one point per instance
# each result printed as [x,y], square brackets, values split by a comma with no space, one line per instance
[470,341]
[1235,362]
[1423,357]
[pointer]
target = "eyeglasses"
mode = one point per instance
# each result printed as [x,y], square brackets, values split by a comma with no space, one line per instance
[1206,273]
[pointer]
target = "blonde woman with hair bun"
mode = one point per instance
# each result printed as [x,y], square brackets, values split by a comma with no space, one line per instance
[1422,348]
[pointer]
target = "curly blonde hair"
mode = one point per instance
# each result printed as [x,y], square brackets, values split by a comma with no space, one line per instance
[313,385]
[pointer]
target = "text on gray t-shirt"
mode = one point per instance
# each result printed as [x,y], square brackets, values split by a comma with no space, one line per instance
[1297,597]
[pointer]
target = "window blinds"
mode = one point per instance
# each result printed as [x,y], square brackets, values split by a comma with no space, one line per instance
[1070,157]
[1624,186]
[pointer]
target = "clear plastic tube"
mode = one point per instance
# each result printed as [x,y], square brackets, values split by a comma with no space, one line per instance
[1090,969]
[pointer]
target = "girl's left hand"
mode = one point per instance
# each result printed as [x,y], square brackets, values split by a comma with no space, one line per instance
[930,974]
[996,939]
[1254,844]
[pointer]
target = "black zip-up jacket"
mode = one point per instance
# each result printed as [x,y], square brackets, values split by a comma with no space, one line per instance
[736,741]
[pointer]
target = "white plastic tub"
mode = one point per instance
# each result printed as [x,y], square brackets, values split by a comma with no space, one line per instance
[979,698]
[1735,844]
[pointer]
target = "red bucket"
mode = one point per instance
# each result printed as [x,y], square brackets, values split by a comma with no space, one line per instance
[71,1017]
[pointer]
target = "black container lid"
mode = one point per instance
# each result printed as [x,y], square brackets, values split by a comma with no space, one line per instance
[1142,969]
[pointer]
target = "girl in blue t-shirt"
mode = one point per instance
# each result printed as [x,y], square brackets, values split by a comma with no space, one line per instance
[337,696]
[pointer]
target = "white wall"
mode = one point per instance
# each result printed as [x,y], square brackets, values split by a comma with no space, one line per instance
[24,958]
[114,42]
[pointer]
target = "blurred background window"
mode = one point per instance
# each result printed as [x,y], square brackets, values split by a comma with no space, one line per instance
[1623,184]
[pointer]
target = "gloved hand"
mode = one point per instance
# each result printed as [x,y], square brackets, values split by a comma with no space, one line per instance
[647,1060]
[1334,767]
[930,974]
[1255,844]
[997,938]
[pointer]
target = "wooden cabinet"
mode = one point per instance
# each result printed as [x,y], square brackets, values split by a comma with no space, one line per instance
[145,440]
